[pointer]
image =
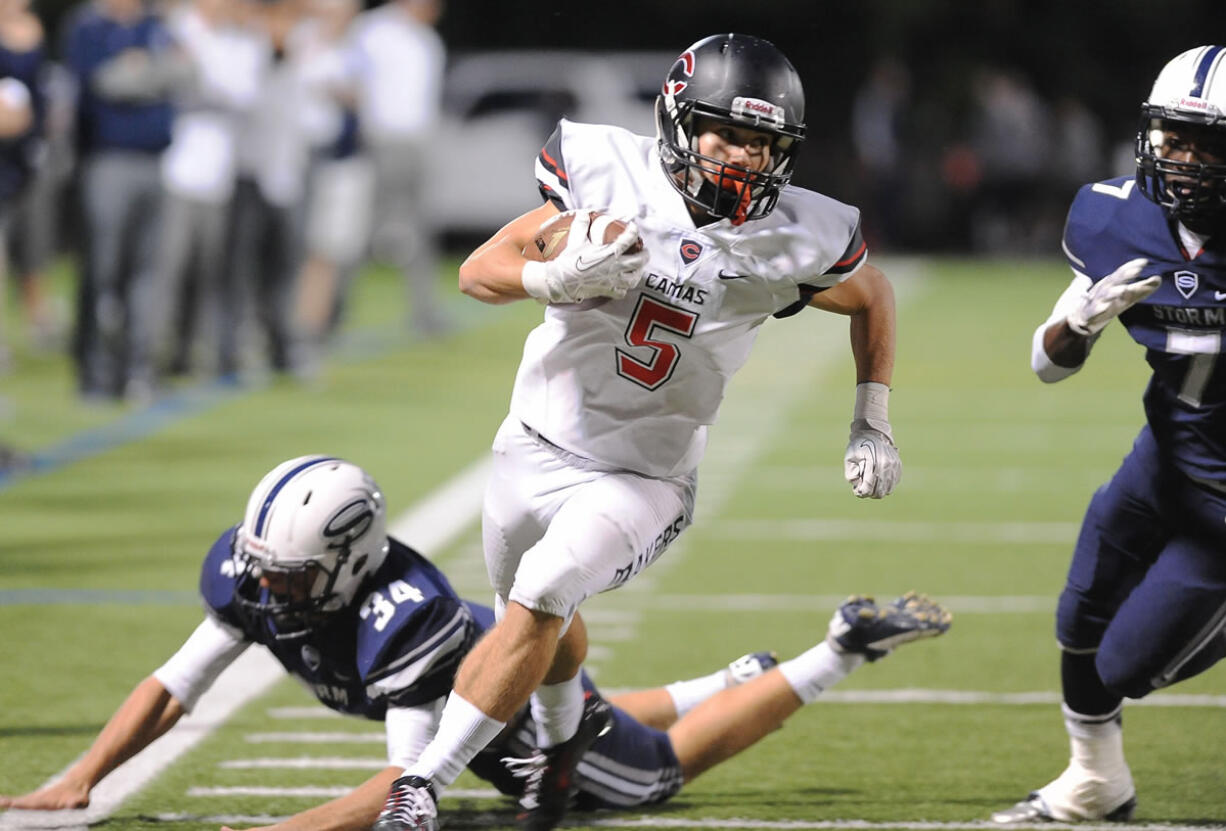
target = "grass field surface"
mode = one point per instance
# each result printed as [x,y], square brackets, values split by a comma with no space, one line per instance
[100,549]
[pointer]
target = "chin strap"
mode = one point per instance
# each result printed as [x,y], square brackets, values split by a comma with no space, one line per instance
[742,204]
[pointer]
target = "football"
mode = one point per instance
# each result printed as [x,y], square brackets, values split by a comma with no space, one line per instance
[550,238]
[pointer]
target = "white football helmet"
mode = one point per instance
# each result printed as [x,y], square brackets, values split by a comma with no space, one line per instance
[1186,109]
[315,528]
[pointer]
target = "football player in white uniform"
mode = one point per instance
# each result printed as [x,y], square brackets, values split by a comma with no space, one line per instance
[375,630]
[595,464]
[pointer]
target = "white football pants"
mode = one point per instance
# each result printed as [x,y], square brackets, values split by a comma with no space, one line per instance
[558,528]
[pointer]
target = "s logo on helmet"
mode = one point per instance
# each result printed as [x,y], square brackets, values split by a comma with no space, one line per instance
[348,524]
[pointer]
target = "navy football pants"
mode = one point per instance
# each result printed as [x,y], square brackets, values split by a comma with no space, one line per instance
[1147,585]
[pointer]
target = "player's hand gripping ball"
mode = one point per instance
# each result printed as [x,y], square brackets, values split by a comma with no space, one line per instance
[551,237]
[583,255]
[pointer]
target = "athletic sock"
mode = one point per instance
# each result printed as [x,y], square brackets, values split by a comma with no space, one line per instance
[689,694]
[1096,743]
[811,673]
[463,732]
[557,710]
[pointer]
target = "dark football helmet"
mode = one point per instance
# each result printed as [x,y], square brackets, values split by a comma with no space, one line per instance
[315,529]
[1186,112]
[745,82]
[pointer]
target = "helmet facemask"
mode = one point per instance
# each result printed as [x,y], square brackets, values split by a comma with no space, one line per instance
[1194,192]
[315,530]
[291,599]
[1181,141]
[720,188]
[742,82]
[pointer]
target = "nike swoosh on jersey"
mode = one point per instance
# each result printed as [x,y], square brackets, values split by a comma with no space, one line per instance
[1219,295]
[724,276]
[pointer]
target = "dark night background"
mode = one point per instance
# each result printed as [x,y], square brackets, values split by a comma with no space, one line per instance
[1103,54]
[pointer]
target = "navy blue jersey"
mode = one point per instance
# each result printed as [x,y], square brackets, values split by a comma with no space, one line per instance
[399,646]
[1180,325]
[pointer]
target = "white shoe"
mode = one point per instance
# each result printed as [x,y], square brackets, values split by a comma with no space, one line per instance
[1076,794]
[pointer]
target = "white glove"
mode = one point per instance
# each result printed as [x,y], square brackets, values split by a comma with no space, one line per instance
[871,463]
[1110,296]
[584,269]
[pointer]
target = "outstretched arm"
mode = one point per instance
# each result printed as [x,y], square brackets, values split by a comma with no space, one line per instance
[354,811]
[1062,343]
[870,464]
[409,730]
[868,298]
[148,712]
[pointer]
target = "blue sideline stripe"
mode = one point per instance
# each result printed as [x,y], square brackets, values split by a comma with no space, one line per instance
[97,597]
[359,345]
[138,424]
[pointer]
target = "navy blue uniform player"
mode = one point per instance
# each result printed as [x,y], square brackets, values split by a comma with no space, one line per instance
[1144,604]
[375,630]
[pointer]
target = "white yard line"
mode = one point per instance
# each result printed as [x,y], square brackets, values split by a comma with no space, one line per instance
[247,678]
[306,763]
[837,824]
[437,520]
[895,696]
[431,524]
[878,530]
[791,603]
[309,737]
[325,792]
[656,821]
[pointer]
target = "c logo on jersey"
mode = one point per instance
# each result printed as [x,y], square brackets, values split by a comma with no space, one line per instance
[1187,282]
[690,251]
[349,524]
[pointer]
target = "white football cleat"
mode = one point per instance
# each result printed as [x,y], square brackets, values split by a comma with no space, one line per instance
[1076,795]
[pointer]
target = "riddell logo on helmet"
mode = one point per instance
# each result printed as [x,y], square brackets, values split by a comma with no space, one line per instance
[1186,103]
[757,108]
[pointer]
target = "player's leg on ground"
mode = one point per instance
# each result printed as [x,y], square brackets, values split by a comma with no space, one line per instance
[859,631]
[660,707]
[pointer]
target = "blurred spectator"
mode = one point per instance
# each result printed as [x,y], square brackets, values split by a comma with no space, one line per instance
[1078,151]
[341,182]
[33,236]
[126,66]
[877,125]
[21,56]
[265,231]
[399,61]
[230,57]
[1010,136]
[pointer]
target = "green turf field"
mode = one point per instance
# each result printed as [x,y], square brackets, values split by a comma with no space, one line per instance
[99,555]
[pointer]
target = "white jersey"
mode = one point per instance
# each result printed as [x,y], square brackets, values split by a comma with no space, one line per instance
[634,383]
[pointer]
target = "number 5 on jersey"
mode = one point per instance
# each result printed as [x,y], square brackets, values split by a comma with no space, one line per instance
[650,315]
